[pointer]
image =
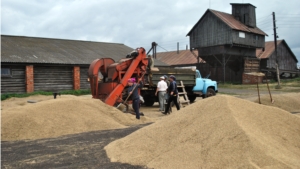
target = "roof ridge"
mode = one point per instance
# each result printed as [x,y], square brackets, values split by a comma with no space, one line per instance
[59,39]
[173,51]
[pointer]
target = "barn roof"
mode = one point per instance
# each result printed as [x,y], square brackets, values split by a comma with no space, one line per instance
[20,49]
[229,20]
[181,58]
[270,49]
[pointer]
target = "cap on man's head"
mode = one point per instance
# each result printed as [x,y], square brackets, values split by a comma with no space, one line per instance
[173,77]
[162,77]
[130,80]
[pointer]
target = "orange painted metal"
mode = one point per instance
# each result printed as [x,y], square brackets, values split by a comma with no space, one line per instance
[98,65]
[115,76]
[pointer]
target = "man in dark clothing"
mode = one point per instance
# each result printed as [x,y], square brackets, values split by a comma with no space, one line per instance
[133,91]
[173,93]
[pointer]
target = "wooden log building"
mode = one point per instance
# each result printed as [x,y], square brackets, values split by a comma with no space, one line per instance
[286,59]
[31,64]
[229,40]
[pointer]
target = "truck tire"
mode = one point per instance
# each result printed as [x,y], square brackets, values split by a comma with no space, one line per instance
[149,101]
[192,98]
[210,92]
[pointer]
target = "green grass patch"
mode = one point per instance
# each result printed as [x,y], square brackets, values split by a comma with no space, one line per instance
[70,92]
[284,83]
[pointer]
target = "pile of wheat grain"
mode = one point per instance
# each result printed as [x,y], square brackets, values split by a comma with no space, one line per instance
[289,102]
[218,132]
[65,115]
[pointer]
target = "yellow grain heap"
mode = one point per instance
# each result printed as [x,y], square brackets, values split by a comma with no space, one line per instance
[289,101]
[65,115]
[218,132]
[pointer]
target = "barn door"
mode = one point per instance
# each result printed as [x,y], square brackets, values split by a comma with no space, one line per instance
[84,83]
[54,78]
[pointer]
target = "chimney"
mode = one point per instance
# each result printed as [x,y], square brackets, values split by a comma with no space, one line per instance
[245,13]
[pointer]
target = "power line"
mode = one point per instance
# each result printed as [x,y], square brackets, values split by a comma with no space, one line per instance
[162,48]
[264,17]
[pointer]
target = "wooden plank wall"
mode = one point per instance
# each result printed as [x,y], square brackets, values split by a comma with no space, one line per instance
[285,58]
[53,78]
[251,65]
[84,83]
[245,14]
[250,39]
[210,31]
[15,83]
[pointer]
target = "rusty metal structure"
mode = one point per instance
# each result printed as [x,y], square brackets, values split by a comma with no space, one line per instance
[114,75]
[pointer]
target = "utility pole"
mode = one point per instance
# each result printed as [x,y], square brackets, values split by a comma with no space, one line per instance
[276,57]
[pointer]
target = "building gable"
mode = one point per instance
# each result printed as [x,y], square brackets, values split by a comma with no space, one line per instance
[209,31]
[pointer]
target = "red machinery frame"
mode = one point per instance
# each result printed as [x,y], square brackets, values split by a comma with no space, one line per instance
[115,75]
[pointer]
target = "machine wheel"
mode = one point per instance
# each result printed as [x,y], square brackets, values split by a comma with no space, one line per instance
[210,92]
[192,98]
[149,101]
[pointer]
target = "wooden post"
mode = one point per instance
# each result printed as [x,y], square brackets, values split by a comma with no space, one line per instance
[275,41]
[224,68]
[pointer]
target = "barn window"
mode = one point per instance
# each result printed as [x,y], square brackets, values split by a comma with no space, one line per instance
[5,72]
[255,37]
[242,34]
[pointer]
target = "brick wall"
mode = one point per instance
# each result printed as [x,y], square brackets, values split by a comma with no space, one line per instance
[249,79]
[29,79]
[76,78]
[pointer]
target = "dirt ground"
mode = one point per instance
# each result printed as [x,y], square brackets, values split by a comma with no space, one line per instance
[83,150]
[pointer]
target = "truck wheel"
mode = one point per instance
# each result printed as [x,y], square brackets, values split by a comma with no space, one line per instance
[210,92]
[192,98]
[149,101]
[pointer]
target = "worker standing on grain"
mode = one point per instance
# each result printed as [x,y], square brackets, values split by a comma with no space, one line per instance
[173,94]
[133,91]
[161,90]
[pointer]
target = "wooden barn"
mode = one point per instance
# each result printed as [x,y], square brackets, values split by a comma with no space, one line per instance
[184,58]
[31,64]
[229,41]
[286,58]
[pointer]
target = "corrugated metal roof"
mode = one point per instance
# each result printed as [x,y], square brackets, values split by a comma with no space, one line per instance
[270,49]
[20,49]
[229,20]
[183,57]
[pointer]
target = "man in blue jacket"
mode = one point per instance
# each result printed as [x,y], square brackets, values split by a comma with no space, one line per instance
[133,91]
[173,94]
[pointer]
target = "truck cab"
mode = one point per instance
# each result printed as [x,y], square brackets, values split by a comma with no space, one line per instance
[204,87]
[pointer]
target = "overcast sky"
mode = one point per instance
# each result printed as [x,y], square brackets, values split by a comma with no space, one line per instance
[137,23]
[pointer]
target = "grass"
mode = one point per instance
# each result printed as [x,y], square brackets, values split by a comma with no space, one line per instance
[71,92]
[285,84]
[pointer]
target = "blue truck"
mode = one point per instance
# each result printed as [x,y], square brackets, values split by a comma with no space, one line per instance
[194,84]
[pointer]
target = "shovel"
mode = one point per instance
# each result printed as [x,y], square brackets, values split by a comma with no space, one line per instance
[123,107]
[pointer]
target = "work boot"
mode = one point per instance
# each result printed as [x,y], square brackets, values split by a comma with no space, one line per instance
[141,114]
[164,113]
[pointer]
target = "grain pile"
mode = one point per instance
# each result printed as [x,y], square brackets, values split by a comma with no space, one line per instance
[66,115]
[289,102]
[218,132]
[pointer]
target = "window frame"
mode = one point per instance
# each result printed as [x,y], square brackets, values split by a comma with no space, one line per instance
[242,35]
[6,75]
